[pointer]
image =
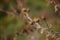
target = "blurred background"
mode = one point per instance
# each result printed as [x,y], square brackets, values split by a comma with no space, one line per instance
[10,24]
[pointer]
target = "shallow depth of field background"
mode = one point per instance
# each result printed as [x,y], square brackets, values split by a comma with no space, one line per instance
[38,8]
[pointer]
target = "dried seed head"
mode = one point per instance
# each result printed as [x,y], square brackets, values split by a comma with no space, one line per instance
[26,10]
[36,20]
[43,17]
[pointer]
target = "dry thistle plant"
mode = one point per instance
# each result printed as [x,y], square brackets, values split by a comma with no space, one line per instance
[56,5]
